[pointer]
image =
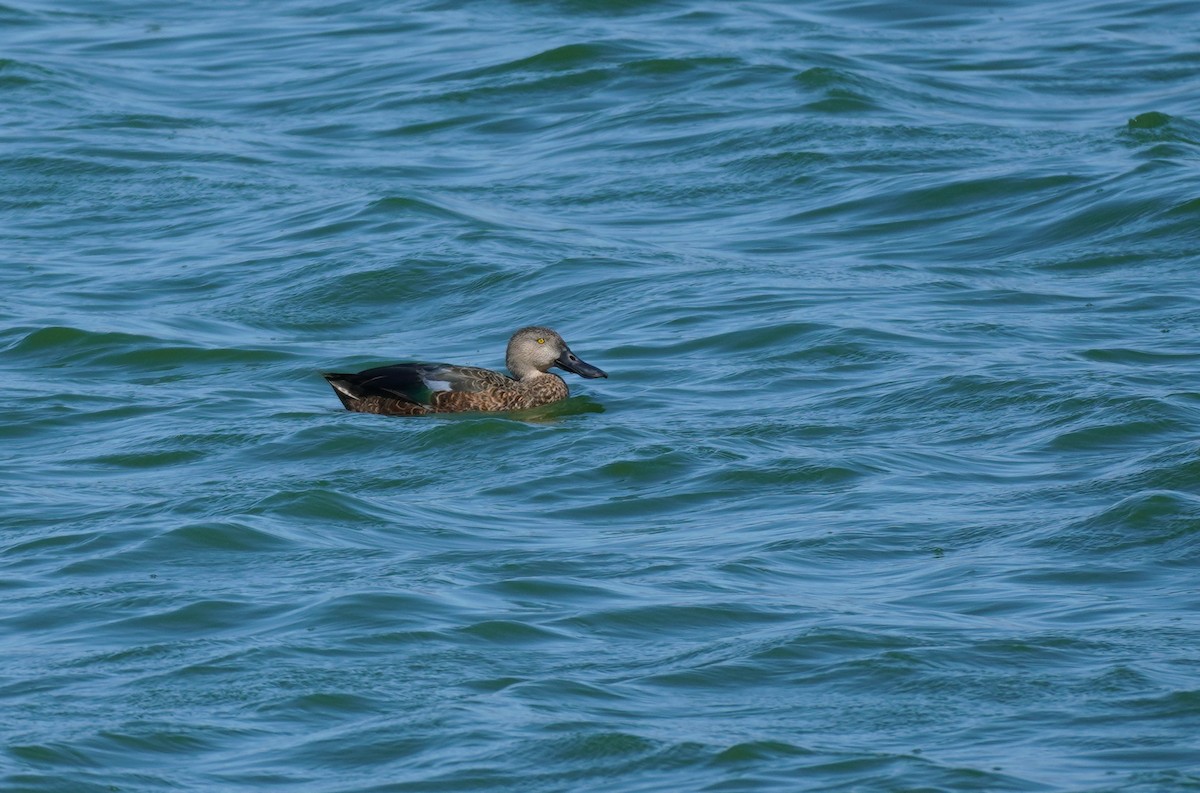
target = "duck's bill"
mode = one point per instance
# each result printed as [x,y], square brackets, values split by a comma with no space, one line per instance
[574,364]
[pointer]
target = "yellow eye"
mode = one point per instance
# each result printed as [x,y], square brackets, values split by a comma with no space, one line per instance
[541,341]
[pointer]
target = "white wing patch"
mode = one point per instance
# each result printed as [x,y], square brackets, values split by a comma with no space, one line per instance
[438,385]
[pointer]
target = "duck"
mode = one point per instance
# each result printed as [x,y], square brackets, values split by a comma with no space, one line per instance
[419,389]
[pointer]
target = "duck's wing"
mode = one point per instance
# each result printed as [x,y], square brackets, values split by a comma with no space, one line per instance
[418,383]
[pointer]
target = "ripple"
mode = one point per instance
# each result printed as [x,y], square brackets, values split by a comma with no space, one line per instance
[1162,524]
[73,346]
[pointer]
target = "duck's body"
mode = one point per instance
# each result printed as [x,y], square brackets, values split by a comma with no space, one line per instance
[417,389]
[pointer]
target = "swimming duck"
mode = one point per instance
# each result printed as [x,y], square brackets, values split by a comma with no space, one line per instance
[417,389]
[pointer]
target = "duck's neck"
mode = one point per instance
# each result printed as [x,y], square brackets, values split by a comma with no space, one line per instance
[530,375]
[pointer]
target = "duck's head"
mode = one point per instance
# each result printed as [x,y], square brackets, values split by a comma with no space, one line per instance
[535,349]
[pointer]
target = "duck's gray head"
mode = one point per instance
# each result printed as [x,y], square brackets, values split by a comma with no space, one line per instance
[536,349]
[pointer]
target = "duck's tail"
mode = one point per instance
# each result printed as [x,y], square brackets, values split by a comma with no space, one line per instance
[345,388]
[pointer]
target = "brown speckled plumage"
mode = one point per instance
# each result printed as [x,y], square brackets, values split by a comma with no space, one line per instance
[418,389]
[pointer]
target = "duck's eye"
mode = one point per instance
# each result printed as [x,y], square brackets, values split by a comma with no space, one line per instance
[541,341]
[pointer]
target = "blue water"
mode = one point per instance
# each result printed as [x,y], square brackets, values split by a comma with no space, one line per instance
[894,485]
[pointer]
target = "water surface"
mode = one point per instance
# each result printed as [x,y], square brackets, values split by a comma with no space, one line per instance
[894,484]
